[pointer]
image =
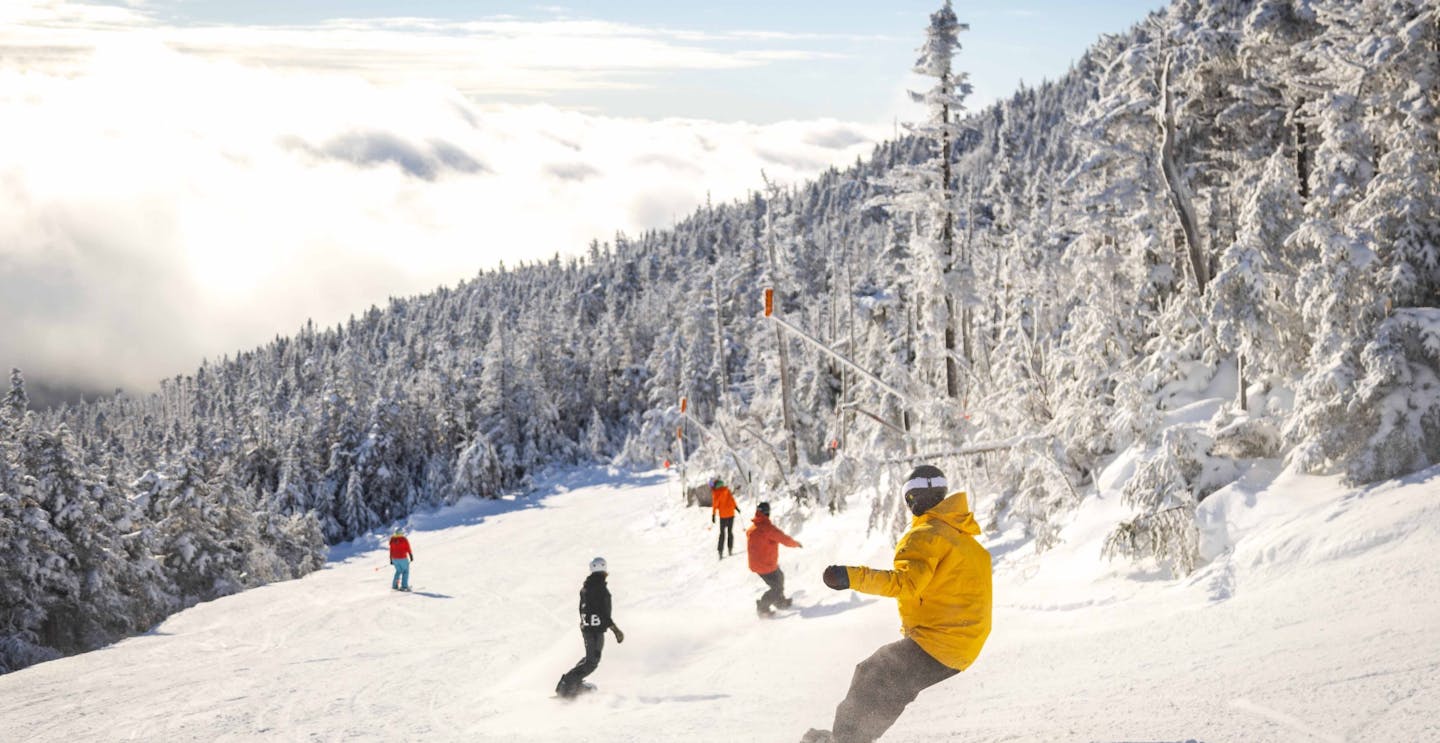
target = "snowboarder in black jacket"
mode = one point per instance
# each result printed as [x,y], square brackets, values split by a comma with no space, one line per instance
[594,620]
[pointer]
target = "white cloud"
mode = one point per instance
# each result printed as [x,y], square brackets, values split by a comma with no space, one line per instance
[159,205]
[494,56]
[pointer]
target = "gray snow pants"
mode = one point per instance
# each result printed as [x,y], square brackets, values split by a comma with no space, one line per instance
[775,597]
[883,685]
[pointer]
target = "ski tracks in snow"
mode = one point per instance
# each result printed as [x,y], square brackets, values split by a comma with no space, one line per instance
[1286,721]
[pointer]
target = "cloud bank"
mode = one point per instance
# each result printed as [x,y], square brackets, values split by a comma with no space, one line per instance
[163,202]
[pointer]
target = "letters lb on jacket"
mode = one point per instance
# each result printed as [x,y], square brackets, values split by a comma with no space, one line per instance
[595,604]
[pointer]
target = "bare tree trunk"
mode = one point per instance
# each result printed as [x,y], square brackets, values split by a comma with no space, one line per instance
[847,416]
[947,242]
[790,453]
[720,340]
[1175,182]
[1241,396]
[789,420]
[1302,153]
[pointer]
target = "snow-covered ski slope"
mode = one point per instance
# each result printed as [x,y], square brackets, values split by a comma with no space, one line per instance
[1320,623]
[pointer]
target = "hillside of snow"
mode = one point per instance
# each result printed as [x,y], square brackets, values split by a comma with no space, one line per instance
[1322,626]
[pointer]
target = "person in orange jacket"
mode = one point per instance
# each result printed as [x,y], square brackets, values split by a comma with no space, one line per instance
[942,582]
[762,541]
[722,502]
[400,556]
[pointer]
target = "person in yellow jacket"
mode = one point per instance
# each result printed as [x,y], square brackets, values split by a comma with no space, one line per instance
[942,582]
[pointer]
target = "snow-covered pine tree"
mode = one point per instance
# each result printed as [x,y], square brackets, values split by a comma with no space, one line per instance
[940,273]
[1252,317]
[597,441]
[1162,490]
[1397,402]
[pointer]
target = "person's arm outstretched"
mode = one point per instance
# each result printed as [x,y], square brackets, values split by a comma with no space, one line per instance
[914,567]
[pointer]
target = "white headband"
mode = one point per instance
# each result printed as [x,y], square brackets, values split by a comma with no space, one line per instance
[923,482]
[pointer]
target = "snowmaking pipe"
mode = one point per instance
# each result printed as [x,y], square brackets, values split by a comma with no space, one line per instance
[980,448]
[832,353]
[855,407]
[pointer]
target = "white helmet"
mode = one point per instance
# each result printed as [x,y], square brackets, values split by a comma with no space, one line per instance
[598,565]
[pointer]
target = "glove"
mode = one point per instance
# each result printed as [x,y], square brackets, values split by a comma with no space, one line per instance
[392,562]
[712,518]
[619,636]
[837,577]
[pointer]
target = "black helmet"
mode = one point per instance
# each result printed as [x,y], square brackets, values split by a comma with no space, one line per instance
[763,507]
[924,488]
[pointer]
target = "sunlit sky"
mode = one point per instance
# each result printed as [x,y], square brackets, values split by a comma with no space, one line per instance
[187,178]
[752,60]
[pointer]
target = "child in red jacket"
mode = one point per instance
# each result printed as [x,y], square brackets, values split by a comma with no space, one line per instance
[400,557]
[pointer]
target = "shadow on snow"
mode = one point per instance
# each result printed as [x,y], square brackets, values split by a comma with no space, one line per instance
[826,610]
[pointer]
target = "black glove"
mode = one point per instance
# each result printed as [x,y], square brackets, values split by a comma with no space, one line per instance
[712,517]
[837,577]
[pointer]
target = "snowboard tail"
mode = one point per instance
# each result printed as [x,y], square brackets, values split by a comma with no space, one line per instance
[585,687]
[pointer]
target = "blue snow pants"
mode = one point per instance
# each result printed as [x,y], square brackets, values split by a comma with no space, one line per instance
[402,574]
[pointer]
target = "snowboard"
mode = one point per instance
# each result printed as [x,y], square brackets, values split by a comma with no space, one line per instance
[585,688]
[789,609]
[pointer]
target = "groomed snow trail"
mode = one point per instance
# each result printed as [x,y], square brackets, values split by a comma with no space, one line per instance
[1320,627]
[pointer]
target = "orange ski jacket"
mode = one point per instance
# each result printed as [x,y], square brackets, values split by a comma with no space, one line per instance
[722,502]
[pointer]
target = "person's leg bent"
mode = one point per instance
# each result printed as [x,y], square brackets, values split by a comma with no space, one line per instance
[594,644]
[883,685]
[402,570]
[772,597]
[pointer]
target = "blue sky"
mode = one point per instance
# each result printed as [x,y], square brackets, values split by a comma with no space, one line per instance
[859,50]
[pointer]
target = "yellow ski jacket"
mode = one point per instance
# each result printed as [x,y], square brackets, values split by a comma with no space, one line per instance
[942,581]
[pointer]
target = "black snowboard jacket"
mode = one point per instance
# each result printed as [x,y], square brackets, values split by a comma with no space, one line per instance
[595,604]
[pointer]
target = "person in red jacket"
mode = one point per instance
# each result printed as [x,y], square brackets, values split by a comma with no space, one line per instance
[763,540]
[722,502]
[400,556]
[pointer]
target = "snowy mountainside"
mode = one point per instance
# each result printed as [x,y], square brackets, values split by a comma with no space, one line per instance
[1097,322]
[1319,627]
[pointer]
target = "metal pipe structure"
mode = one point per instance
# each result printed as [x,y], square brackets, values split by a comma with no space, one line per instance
[980,448]
[832,353]
[855,407]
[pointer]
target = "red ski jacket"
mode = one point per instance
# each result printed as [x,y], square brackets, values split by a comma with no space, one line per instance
[400,549]
[763,540]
